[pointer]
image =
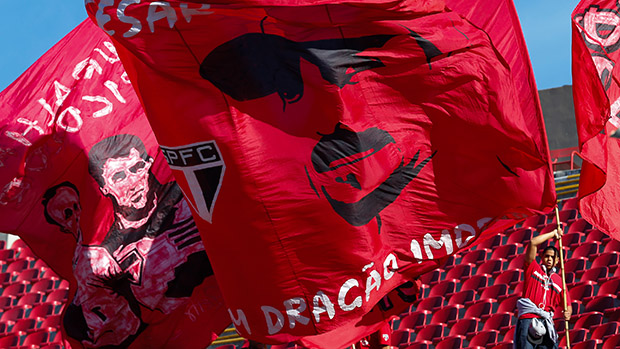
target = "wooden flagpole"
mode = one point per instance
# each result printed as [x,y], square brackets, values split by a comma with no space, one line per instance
[564,289]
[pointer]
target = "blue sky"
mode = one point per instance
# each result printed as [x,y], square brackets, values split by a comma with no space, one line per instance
[30,28]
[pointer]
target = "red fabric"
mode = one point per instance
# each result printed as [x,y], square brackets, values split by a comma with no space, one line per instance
[535,288]
[596,95]
[128,245]
[342,149]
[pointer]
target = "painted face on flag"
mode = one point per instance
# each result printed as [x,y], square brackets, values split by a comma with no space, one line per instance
[127,179]
[64,208]
[360,173]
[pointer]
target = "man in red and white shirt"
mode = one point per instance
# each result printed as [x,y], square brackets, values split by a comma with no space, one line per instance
[542,296]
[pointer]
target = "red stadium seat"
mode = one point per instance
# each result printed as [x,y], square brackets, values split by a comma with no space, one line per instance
[9,340]
[484,338]
[609,305]
[572,240]
[464,327]
[35,338]
[462,297]
[430,332]
[12,314]
[53,321]
[612,246]
[449,313]
[508,277]
[580,225]
[443,288]
[494,292]
[535,222]
[476,256]
[59,295]
[594,235]
[517,262]
[603,331]
[415,319]
[63,285]
[581,291]
[19,243]
[431,277]
[509,304]
[15,290]
[585,249]
[7,255]
[505,251]
[576,335]
[24,325]
[570,204]
[589,320]
[480,309]
[610,287]
[460,271]
[490,243]
[18,265]
[43,285]
[417,346]
[587,344]
[607,259]
[510,334]
[566,216]
[32,298]
[28,275]
[575,265]
[7,302]
[595,274]
[498,321]
[401,337]
[521,236]
[41,311]
[431,303]
[476,282]
[491,267]
[612,342]
[452,342]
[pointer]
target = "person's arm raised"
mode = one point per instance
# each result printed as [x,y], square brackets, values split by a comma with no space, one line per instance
[532,247]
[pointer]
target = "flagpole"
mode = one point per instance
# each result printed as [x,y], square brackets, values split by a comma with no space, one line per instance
[557,216]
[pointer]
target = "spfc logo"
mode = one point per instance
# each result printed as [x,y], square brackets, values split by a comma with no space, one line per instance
[203,167]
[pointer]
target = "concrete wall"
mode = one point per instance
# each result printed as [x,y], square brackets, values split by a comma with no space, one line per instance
[559,114]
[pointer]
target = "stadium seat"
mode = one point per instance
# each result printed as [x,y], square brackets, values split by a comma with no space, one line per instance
[505,251]
[595,274]
[35,338]
[7,255]
[41,311]
[535,222]
[28,275]
[610,287]
[9,340]
[517,262]
[588,320]
[594,235]
[575,265]
[576,335]
[509,304]
[462,297]
[508,277]
[585,249]
[32,298]
[484,338]
[400,337]
[53,321]
[607,259]
[429,333]
[586,344]
[19,243]
[476,256]
[449,313]
[59,295]
[12,314]
[464,327]
[612,342]
[510,334]
[570,204]
[43,285]
[415,319]
[15,290]
[443,288]
[480,309]
[431,303]
[494,292]
[63,285]
[461,271]
[18,265]
[417,346]
[521,236]
[566,216]
[612,246]
[579,225]
[452,342]
[491,267]
[608,305]
[24,325]
[490,243]
[431,277]
[605,330]
[476,282]
[498,321]
[572,240]
[6,302]
[581,291]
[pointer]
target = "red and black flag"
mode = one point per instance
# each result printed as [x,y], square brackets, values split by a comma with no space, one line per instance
[333,151]
[84,184]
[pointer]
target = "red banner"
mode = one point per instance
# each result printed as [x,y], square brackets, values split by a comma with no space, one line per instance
[596,94]
[331,152]
[85,185]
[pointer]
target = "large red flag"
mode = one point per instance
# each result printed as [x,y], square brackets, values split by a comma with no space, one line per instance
[84,183]
[331,151]
[596,94]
